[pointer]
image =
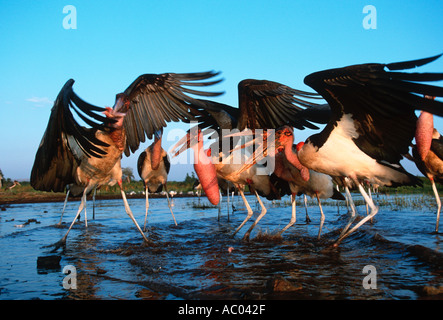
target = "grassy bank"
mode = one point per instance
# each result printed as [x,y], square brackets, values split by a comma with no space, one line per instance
[24,193]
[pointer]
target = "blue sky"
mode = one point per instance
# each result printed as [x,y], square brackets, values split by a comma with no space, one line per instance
[115,41]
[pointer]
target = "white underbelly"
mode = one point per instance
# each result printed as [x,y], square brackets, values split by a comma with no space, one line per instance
[340,156]
[337,157]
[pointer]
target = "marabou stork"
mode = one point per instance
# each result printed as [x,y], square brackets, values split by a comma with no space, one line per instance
[153,167]
[263,104]
[372,124]
[91,157]
[427,154]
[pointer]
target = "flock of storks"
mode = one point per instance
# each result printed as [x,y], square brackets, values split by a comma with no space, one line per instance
[370,124]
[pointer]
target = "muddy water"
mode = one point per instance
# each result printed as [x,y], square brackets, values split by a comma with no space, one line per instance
[199,258]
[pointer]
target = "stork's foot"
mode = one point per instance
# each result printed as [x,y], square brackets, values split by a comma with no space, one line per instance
[348,225]
[246,237]
[57,245]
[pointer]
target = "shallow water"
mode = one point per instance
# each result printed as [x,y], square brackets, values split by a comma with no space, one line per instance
[199,258]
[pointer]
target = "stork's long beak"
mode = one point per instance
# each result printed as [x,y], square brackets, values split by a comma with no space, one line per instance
[121,103]
[188,141]
[239,134]
[264,143]
[265,135]
[182,145]
[114,118]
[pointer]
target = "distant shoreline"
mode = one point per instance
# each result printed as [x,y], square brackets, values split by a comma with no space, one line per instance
[60,197]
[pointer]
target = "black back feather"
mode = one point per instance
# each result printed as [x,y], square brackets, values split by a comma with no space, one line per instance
[381,103]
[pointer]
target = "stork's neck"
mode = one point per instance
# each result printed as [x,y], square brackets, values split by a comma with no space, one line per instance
[423,133]
[292,157]
[206,173]
[118,136]
[117,132]
[280,169]
[156,155]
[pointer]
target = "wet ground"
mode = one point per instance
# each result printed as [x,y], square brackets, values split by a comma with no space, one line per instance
[200,259]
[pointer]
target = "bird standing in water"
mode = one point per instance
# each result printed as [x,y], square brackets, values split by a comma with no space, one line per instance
[91,157]
[427,154]
[318,185]
[263,104]
[153,167]
[371,126]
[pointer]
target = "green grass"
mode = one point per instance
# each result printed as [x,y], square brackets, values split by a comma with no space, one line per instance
[25,191]
[396,196]
[426,189]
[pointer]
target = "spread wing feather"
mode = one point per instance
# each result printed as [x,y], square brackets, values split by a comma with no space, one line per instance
[65,141]
[156,99]
[381,103]
[266,104]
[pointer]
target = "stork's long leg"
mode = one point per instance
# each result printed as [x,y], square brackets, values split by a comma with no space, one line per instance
[64,207]
[437,198]
[373,212]
[262,214]
[147,207]
[248,207]
[80,208]
[370,196]
[293,216]
[169,204]
[232,199]
[338,204]
[322,219]
[86,217]
[227,199]
[305,198]
[129,212]
[93,203]
[366,204]
[219,205]
[353,211]
[62,241]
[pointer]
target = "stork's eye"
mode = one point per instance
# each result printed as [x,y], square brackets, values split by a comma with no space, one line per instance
[287,133]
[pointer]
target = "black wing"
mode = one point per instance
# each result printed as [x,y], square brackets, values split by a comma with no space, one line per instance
[159,98]
[266,104]
[437,147]
[318,114]
[140,161]
[167,163]
[381,103]
[215,115]
[65,141]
